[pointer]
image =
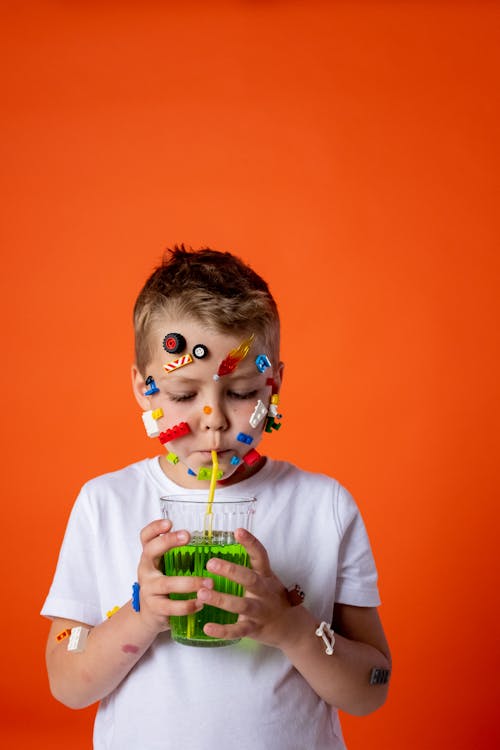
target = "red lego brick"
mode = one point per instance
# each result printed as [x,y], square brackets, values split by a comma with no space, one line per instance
[177,431]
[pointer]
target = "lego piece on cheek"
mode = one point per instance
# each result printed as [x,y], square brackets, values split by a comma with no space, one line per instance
[235,460]
[150,424]
[152,387]
[172,458]
[157,413]
[186,359]
[177,431]
[243,438]
[271,424]
[258,415]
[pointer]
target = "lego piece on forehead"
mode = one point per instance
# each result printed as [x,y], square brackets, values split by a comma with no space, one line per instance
[186,359]
[174,343]
[231,362]
[152,387]
[177,431]
[200,351]
[262,362]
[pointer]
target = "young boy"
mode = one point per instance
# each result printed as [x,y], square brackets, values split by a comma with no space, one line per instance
[207,352]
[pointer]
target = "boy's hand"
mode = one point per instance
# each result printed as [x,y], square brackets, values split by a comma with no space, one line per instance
[263,610]
[155,587]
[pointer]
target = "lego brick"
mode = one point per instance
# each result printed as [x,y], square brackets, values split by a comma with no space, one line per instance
[177,431]
[63,634]
[243,438]
[186,359]
[235,460]
[262,362]
[172,458]
[251,457]
[258,415]
[206,473]
[150,424]
[78,638]
[157,413]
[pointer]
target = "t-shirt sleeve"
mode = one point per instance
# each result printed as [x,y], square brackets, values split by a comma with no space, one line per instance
[74,593]
[356,574]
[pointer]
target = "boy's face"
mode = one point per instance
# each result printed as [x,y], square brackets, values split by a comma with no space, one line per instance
[215,410]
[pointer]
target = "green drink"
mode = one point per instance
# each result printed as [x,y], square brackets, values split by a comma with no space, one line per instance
[191,560]
[211,526]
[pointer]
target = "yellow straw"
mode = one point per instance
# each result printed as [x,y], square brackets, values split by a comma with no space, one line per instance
[211,492]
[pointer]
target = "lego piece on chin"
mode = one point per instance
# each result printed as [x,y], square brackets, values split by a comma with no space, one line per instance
[78,638]
[258,415]
[244,438]
[235,460]
[172,458]
[186,359]
[191,472]
[152,387]
[251,457]
[150,424]
[206,473]
[173,343]
[177,431]
[262,362]
[112,612]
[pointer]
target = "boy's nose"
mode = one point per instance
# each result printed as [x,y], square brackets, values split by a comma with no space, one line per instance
[214,418]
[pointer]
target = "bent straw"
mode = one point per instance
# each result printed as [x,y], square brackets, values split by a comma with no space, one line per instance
[211,493]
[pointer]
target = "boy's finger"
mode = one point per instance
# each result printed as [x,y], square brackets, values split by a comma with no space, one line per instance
[256,551]
[154,529]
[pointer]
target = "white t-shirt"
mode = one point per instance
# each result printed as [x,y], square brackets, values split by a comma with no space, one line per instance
[246,696]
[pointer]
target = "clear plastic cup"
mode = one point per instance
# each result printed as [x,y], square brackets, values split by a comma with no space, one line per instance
[212,528]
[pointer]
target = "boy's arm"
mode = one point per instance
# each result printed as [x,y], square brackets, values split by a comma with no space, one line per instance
[342,679]
[114,646]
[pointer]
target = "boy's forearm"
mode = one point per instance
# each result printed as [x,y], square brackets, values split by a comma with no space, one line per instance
[342,679]
[79,679]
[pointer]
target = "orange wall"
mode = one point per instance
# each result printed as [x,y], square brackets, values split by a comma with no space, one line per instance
[347,150]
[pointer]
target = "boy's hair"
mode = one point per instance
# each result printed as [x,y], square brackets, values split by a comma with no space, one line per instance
[214,288]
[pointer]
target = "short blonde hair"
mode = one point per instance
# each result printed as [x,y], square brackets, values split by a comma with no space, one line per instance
[217,289]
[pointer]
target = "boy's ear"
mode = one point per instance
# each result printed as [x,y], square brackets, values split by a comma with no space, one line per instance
[138,387]
[281,369]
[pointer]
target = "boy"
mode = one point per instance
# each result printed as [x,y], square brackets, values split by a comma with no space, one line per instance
[207,353]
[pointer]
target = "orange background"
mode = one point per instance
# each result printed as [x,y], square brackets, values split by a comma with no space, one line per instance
[348,151]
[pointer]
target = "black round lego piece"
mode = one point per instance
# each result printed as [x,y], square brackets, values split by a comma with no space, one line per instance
[200,351]
[174,343]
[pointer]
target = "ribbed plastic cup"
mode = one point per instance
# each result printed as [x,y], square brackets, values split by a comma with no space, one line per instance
[212,528]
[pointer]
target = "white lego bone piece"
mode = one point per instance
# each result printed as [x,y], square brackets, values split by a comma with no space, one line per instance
[258,415]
